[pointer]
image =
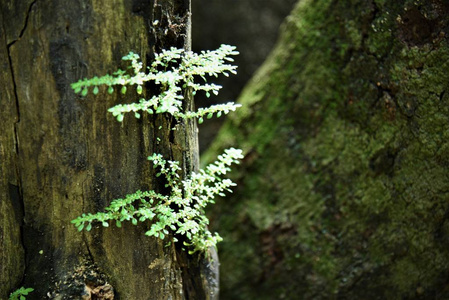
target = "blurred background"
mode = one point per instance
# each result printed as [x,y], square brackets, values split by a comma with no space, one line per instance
[250,25]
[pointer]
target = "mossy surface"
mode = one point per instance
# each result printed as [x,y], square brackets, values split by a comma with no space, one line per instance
[343,191]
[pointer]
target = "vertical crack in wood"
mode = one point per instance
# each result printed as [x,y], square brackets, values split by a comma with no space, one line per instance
[25,25]
[16,97]
[15,129]
[16,137]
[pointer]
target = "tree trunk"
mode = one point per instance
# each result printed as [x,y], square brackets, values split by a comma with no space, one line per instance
[63,155]
[343,191]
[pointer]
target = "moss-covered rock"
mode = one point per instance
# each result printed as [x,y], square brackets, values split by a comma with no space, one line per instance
[343,191]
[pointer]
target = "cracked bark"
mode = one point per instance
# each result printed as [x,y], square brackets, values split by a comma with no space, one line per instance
[11,205]
[74,158]
[17,104]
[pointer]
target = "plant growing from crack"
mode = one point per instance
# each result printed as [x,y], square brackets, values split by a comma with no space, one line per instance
[20,294]
[182,211]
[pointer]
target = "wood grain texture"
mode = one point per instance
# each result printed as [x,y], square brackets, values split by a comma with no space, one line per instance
[62,155]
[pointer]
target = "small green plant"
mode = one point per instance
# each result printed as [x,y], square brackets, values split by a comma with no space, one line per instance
[175,71]
[181,212]
[20,293]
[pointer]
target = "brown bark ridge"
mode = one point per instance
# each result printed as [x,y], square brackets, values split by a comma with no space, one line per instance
[62,155]
[343,190]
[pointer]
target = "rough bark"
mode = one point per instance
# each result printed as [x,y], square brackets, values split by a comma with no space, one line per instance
[343,191]
[62,155]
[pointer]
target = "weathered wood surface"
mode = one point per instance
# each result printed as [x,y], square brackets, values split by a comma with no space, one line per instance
[62,155]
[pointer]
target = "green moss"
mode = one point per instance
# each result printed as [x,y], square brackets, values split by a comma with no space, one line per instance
[343,190]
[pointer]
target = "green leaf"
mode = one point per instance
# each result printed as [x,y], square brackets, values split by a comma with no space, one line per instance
[192,194]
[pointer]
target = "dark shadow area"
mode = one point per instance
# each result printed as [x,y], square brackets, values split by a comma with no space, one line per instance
[252,26]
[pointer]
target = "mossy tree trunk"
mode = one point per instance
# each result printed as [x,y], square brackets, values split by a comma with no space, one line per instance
[343,193]
[62,155]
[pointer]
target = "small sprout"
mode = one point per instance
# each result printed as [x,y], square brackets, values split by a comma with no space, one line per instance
[188,219]
[20,293]
[181,70]
[181,209]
